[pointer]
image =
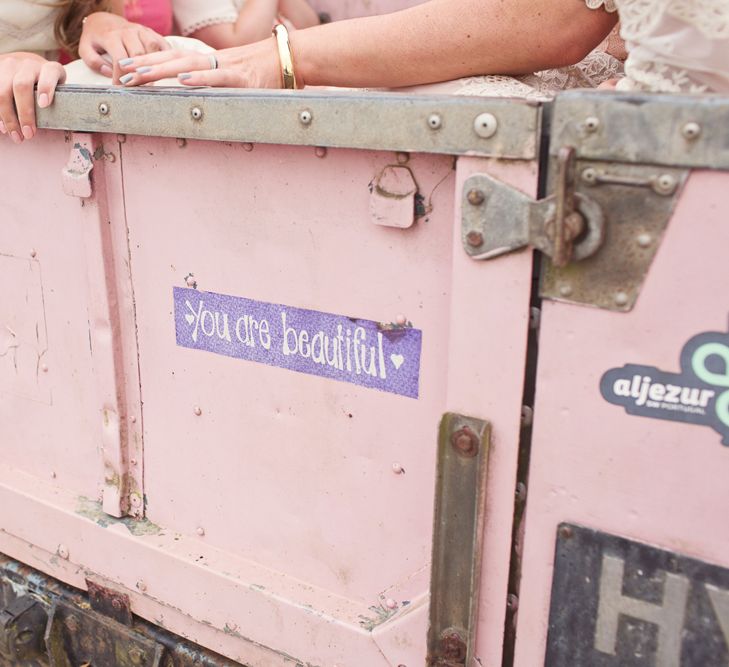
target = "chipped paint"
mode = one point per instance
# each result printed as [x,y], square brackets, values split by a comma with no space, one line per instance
[92,510]
[382,614]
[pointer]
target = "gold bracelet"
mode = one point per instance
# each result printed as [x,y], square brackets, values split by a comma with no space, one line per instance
[285,56]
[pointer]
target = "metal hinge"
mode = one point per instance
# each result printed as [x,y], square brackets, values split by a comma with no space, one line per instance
[600,228]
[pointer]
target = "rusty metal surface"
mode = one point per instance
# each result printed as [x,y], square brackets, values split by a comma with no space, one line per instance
[636,217]
[93,634]
[463,451]
[109,602]
[345,119]
[76,636]
[21,630]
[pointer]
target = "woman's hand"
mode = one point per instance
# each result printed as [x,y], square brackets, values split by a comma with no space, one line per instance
[251,66]
[108,39]
[19,73]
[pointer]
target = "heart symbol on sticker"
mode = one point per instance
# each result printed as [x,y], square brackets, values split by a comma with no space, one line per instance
[397,360]
[190,318]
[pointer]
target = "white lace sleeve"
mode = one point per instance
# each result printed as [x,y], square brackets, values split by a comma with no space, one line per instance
[676,45]
[191,15]
[609,5]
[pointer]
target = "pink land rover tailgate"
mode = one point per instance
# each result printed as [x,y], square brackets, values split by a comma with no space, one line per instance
[280,373]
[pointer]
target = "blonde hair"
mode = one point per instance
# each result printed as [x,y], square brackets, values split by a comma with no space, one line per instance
[69,21]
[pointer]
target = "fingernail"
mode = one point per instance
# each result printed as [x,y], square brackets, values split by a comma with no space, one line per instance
[185,76]
[2,128]
[126,78]
[27,131]
[107,57]
[106,70]
[15,137]
[125,61]
[143,70]
[43,100]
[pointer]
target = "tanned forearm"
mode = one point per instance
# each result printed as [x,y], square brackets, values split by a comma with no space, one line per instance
[447,39]
[255,20]
[299,12]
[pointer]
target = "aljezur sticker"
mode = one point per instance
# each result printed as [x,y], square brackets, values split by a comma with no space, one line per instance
[699,394]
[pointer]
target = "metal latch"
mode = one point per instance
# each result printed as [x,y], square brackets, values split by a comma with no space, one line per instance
[21,630]
[601,227]
[566,226]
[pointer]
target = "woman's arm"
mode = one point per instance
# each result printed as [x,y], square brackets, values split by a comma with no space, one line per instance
[436,41]
[299,12]
[254,23]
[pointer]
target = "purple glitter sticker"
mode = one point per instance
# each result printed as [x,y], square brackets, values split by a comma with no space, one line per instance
[370,354]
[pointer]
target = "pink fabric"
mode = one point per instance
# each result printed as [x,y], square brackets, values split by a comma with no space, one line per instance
[155,14]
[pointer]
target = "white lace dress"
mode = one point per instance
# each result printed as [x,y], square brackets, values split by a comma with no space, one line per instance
[27,26]
[676,46]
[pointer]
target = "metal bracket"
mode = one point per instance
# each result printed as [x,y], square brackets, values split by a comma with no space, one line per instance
[21,630]
[463,451]
[497,218]
[76,636]
[109,602]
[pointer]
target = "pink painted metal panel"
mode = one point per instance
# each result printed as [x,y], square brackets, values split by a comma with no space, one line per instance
[650,480]
[48,414]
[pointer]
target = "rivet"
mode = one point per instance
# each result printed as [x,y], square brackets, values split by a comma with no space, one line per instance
[401,320]
[103,108]
[305,117]
[121,138]
[565,290]
[397,469]
[691,130]
[71,624]
[665,184]
[62,551]
[200,531]
[512,602]
[33,253]
[110,157]
[592,123]
[133,419]
[44,368]
[320,151]
[485,125]
[135,499]
[474,239]
[476,197]
[435,122]
[644,240]
[390,603]
[527,415]
[565,532]
[197,410]
[196,113]
[402,157]
[181,143]
[621,299]
[521,491]
[190,280]
[247,147]
[136,656]
[141,586]
[535,317]
[133,461]
[589,175]
[53,475]
[116,604]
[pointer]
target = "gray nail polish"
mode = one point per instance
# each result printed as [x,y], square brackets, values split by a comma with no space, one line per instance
[125,61]
[143,70]
[185,76]
[126,78]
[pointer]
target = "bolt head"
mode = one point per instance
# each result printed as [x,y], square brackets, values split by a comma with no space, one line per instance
[644,240]
[181,143]
[190,281]
[401,320]
[33,253]
[305,117]
[320,151]
[565,532]
[196,113]
[197,410]
[465,442]
[476,197]
[452,646]
[71,624]
[589,175]
[397,469]
[474,239]
[621,299]
[62,551]
[485,125]
[135,499]
[665,184]
[200,531]
[141,585]
[103,108]
[390,603]
[247,147]
[565,290]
